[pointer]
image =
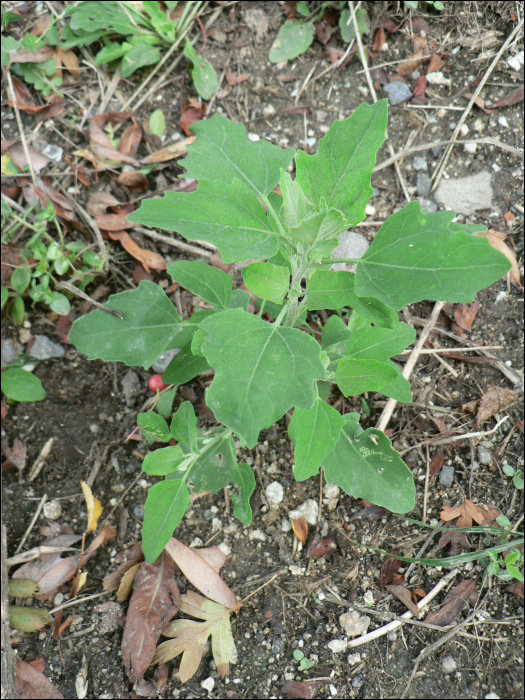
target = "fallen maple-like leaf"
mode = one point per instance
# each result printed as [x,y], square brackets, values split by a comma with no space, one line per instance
[235,78]
[389,569]
[467,512]
[300,528]
[155,601]
[404,595]
[465,315]
[457,541]
[202,574]
[190,636]
[437,461]
[456,600]
[32,684]
[147,258]
[502,247]
[14,458]
[493,401]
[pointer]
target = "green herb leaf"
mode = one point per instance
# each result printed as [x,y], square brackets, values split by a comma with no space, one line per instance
[293,39]
[184,367]
[20,279]
[316,432]
[19,385]
[380,343]
[417,256]
[239,300]
[261,371]
[334,331]
[204,77]
[223,151]
[184,426]
[339,173]
[22,587]
[153,426]
[218,460]
[357,376]
[399,389]
[365,465]
[147,329]
[507,469]
[243,478]
[227,216]
[139,56]
[157,123]
[163,461]
[165,507]
[165,403]
[207,282]
[267,281]
[347,28]
[111,52]
[106,16]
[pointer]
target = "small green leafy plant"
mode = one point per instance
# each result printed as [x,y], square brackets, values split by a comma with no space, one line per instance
[263,369]
[515,475]
[504,565]
[299,656]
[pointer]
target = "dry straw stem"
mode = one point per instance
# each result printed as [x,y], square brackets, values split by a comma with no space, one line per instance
[455,438]
[174,242]
[410,364]
[438,174]
[20,126]
[32,523]
[40,460]
[395,624]
[364,61]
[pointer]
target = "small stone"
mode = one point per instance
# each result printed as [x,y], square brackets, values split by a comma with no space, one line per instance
[515,62]
[351,245]
[53,510]
[176,136]
[94,428]
[196,542]
[254,137]
[286,525]
[77,620]
[375,192]
[369,598]
[131,387]
[296,570]
[392,636]
[496,167]
[138,512]
[415,75]
[58,599]
[162,363]
[353,623]
[25,335]
[492,696]
[53,152]
[370,210]
[353,659]
[466,195]
[501,295]
[424,184]
[309,510]
[397,92]
[216,524]
[470,147]
[446,476]
[337,646]
[437,78]
[208,684]
[429,205]
[464,130]
[45,349]
[331,491]
[268,111]
[274,493]
[225,549]
[419,163]
[484,456]
[437,150]
[257,535]
[357,681]
[311,141]
[9,352]
[448,665]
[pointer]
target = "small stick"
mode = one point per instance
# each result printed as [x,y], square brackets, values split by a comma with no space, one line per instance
[305,83]
[77,601]
[381,631]
[436,351]
[221,79]
[425,496]
[21,127]
[445,364]
[82,295]
[174,242]
[410,364]
[279,573]
[441,169]
[33,521]
[455,438]
[39,461]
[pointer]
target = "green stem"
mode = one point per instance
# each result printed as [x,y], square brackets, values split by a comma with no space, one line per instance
[262,308]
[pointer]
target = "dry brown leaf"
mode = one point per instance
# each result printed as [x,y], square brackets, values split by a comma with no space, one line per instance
[456,600]
[419,86]
[155,601]
[14,458]
[419,24]
[189,117]
[202,575]
[133,556]
[93,506]
[33,684]
[437,61]
[300,528]
[99,202]
[437,461]
[465,315]
[322,548]
[493,401]
[113,222]
[286,75]
[301,689]
[212,556]
[234,78]
[100,140]
[135,181]
[466,513]
[147,258]
[456,540]
[175,150]
[413,62]
[18,156]
[126,585]
[404,595]
[511,99]
[38,56]
[379,39]
[70,61]
[389,569]
[516,587]
[502,247]
[218,34]
[130,140]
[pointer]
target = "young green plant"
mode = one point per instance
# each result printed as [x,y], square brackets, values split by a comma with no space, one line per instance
[264,369]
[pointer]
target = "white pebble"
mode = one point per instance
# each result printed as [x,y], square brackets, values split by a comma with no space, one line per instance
[496,167]
[274,493]
[311,141]
[464,130]
[437,78]
[52,510]
[208,684]
[337,646]
[370,210]
[471,147]
[503,122]
[58,599]
[254,137]
[286,525]
[258,535]
[225,549]
[448,665]
[331,491]
[309,510]
[353,659]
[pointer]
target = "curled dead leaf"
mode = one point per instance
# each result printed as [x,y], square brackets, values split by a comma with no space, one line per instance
[300,528]
[502,247]
[147,258]
[496,399]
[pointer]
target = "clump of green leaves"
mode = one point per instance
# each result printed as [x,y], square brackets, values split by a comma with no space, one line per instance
[263,369]
[504,565]
[299,656]
[26,619]
[515,474]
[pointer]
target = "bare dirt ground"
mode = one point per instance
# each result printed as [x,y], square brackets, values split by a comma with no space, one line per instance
[87,414]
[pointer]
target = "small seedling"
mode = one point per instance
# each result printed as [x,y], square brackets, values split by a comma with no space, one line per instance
[304,663]
[515,475]
[263,369]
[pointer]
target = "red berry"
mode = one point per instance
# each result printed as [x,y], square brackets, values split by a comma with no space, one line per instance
[156,382]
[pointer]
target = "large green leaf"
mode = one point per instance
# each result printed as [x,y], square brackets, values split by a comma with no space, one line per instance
[293,39]
[334,331]
[316,432]
[207,282]
[243,478]
[334,290]
[417,256]
[105,16]
[147,328]
[365,465]
[139,56]
[184,426]
[267,281]
[357,376]
[399,389]
[226,215]
[218,459]
[19,385]
[184,367]
[380,343]
[164,461]
[339,173]
[223,151]
[165,507]
[261,371]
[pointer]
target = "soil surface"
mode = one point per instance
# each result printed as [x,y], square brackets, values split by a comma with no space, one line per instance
[87,414]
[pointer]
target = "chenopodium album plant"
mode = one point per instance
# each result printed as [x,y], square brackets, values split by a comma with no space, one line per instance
[262,369]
